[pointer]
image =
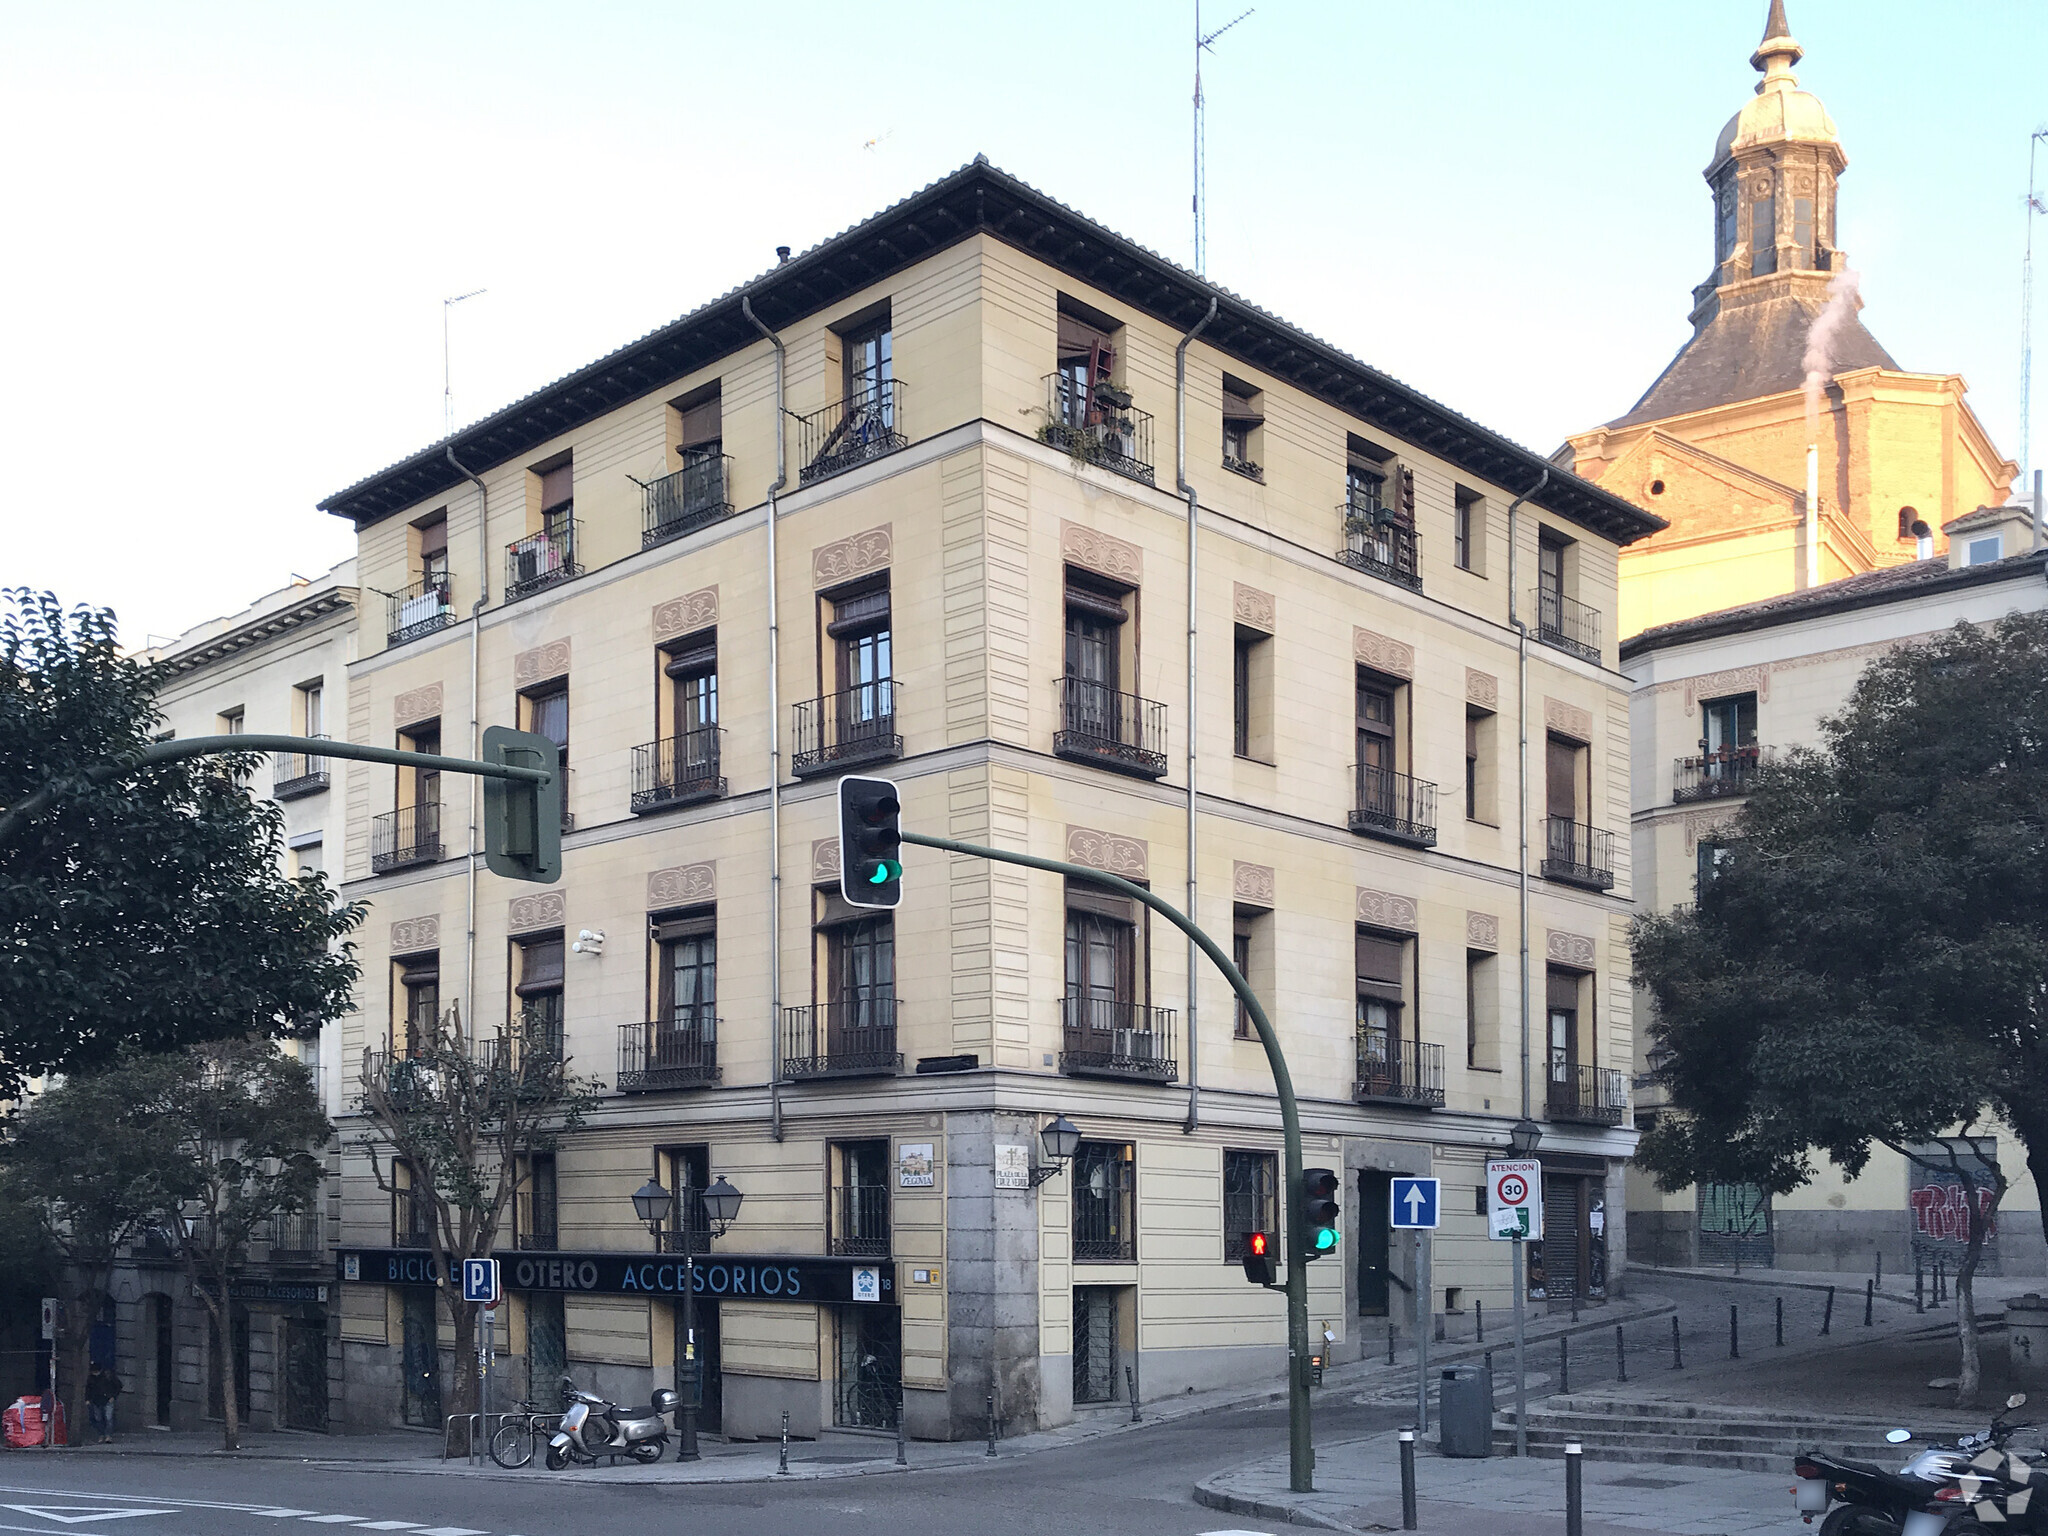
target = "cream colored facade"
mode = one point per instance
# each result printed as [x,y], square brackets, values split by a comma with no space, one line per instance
[1795,661]
[994,544]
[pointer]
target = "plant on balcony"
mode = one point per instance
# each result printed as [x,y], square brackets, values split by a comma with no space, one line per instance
[1110,397]
[1864,969]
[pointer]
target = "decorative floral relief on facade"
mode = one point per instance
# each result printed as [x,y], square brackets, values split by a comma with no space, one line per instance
[1100,553]
[1482,688]
[1573,949]
[1482,930]
[410,935]
[1383,909]
[1568,720]
[1130,857]
[1252,606]
[1252,883]
[844,559]
[541,663]
[682,886]
[681,615]
[416,704]
[824,860]
[1716,685]
[1383,653]
[548,909]
[1703,826]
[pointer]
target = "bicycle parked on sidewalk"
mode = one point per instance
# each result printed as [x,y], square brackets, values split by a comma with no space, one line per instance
[523,1429]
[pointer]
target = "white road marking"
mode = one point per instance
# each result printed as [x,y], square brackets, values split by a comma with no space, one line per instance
[336,1519]
[81,1514]
[130,1498]
[452,1530]
[284,1514]
[391,1525]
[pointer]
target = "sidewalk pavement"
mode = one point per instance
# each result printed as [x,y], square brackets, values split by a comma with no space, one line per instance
[1358,1488]
[1991,1291]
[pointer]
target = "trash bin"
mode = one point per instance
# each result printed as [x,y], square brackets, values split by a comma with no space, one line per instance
[1465,1411]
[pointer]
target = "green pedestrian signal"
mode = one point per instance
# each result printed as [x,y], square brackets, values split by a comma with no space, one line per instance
[1319,1212]
[870,842]
[523,820]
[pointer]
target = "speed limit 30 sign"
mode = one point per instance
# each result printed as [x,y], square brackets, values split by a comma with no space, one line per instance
[1514,1200]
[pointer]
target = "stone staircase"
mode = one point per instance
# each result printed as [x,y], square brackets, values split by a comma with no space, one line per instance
[1744,1439]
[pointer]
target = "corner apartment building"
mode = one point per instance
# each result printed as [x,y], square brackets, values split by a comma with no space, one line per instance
[1713,698]
[908,504]
[280,666]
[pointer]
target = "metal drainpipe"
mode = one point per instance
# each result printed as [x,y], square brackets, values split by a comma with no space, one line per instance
[1180,479]
[1522,776]
[476,624]
[774,750]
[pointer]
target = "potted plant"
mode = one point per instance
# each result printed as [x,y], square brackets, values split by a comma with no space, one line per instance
[1109,397]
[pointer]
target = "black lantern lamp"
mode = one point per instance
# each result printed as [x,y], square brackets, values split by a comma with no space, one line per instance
[721,1205]
[1523,1136]
[1060,1139]
[652,1203]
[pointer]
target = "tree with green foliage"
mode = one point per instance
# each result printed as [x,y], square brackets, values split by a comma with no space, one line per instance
[1868,964]
[144,910]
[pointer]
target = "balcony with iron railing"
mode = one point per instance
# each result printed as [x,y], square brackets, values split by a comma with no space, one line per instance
[535,1224]
[541,560]
[299,1237]
[1567,625]
[411,1211]
[1576,854]
[1393,807]
[1117,731]
[1586,1095]
[294,775]
[864,425]
[1378,543]
[688,1230]
[854,1037]
[840,730]
[678,770]
[695,496]
[1403,1072]
[404,837]
[1714,775]
[860,1221]
[404,1078]
[419,610]
[680,1051]
[1097,424]
[531,1049]
[1106,1037]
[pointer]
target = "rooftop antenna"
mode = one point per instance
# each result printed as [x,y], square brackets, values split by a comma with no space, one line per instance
[2035,206]
[447,384]
[1202,43]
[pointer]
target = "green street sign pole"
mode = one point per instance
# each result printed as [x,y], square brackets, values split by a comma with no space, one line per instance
[1300,1447]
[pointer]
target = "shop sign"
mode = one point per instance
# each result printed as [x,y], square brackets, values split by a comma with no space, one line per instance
[756,1277]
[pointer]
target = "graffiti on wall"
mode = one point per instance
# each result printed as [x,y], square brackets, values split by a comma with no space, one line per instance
[1936,1202]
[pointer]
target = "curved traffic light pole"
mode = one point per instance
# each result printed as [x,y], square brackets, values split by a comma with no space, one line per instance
[1300,1447]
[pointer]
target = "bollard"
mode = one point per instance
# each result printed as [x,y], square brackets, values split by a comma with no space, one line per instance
[1940,1281]
[1869,1292]
[1390,1343]
[1564,1364]
[1407,1479]
[1620,1355]
[1919,1294]
[992,1422]
[1479,1318]
[901,1459]
[1575,1308]
[1131,1386]
[1488,1358]
[1574,1494]
[783,1467]
[1734,1338]
[1677,1357]
[1880,1266]
[1827,1316]
[1781,1320]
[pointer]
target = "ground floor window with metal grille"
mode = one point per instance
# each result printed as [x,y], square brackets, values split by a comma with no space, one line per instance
[870,1385]
[1096,1372]
[547,1347]
[305,1372]
[422,1400]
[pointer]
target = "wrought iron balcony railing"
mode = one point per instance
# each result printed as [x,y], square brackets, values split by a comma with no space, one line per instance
[1577,854]
[680,1051]
[419,610]
[1119,731]
[404,837]
[842,729]
[410,1214]
[1567,625]
[1103,1037]
[1714,775]
[534,1222]
[294,775]
[532,1045]
[1590,1095]
[1097,424]
[300,1237]
[1394,1071]
[855,1037]
[678,770]
[860,1221]
[542,559]
[687,1234]
[1395,807]
[1379,544]
[695,496]
[865,425]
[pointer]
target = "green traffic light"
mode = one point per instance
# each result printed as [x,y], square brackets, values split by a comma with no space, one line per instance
[1326,1239]
[885,871]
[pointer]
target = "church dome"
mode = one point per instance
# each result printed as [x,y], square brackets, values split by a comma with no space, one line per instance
[1779,113]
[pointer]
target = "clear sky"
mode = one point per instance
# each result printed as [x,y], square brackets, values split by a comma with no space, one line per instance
[230,227]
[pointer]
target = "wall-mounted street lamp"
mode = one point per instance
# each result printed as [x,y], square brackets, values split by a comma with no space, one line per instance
[721,1203]
[1523,1136]
[1060,1140]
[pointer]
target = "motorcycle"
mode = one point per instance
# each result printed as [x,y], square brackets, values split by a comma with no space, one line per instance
[592,1428]
[1860,1498]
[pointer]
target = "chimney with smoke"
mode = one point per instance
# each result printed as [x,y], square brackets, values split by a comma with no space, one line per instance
[1822,340]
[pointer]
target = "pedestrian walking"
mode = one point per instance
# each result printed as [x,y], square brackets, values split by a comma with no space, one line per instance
[102,1386]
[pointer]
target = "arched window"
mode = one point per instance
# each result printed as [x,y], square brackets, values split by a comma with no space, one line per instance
[1907,517]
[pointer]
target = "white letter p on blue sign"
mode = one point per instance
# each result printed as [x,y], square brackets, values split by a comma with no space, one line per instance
[480,1280]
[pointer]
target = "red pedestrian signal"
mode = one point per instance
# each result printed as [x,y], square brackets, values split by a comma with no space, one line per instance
[1258,1258]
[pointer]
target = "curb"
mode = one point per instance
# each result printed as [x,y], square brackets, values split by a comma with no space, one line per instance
[1259,1509]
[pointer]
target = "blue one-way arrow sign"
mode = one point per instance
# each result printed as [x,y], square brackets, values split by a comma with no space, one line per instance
[1415,1203]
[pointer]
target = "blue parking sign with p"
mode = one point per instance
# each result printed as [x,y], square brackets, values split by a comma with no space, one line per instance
[480,1280]
[1414,1203]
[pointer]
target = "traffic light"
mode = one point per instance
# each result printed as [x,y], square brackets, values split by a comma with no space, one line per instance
[870,840]
[1258,1258]
[1319,1212]
[523,820]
